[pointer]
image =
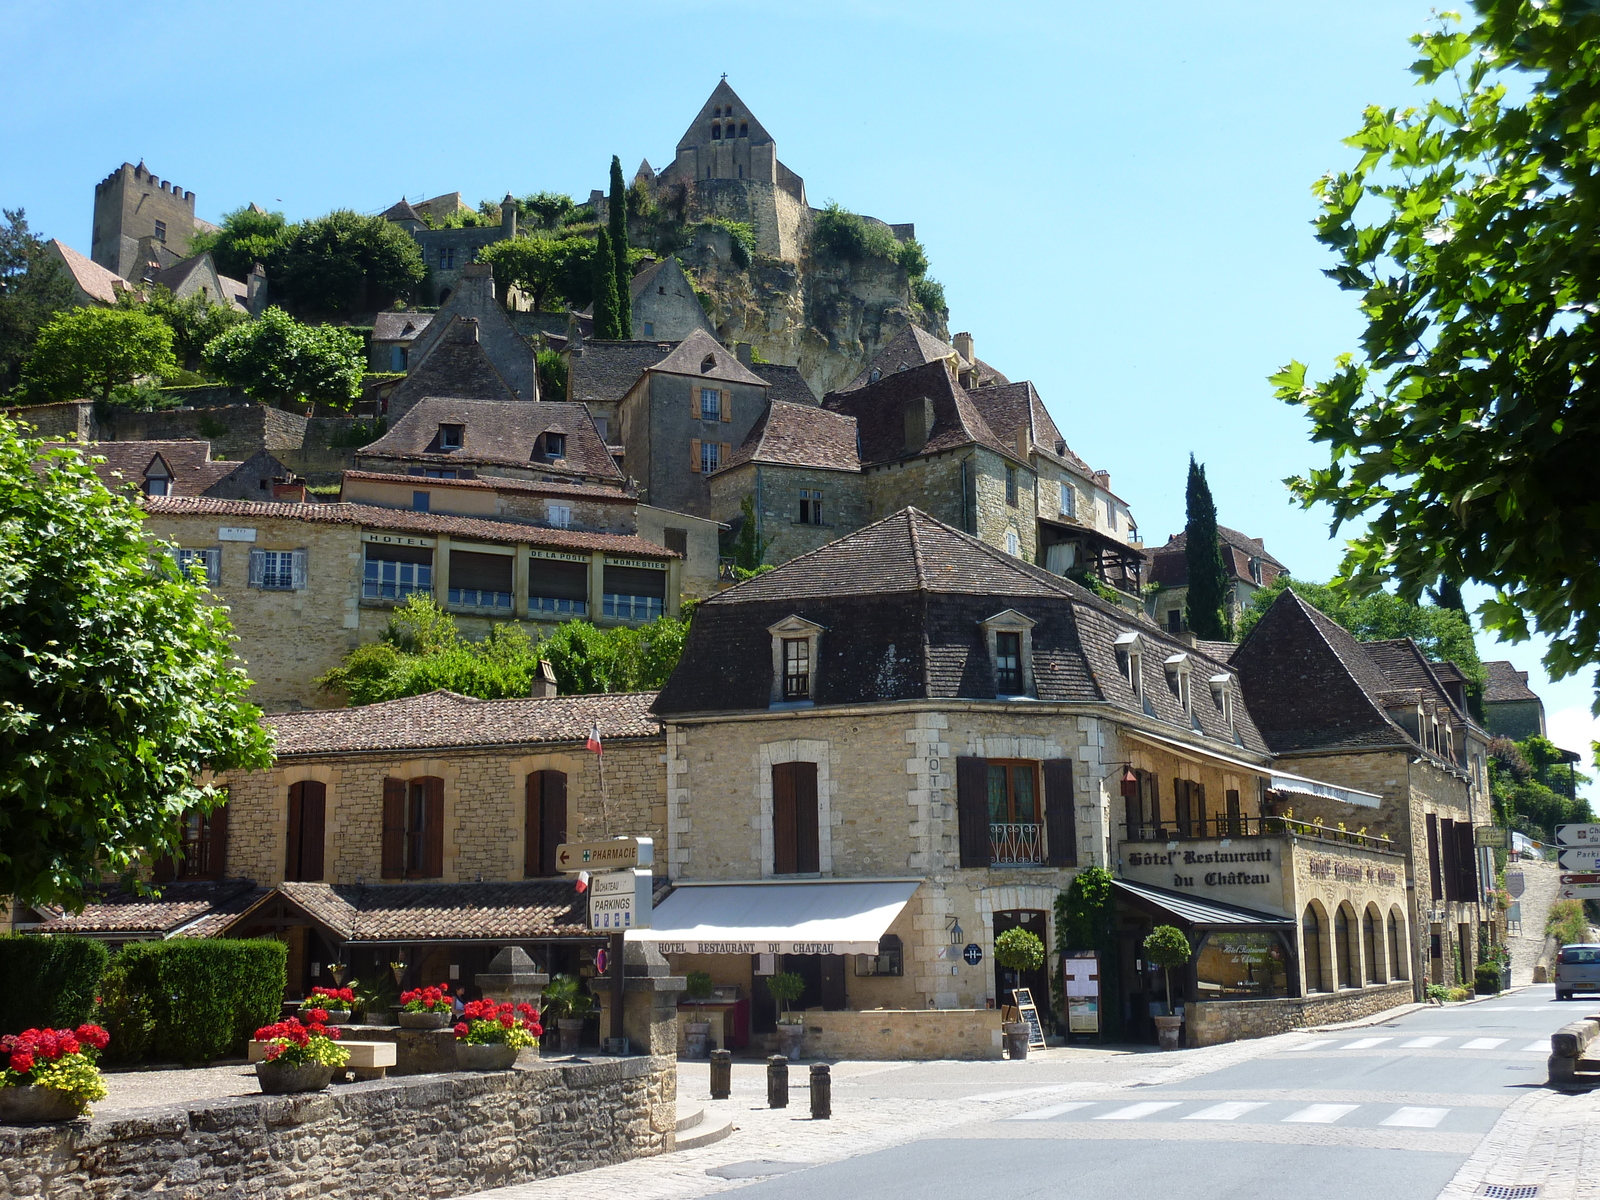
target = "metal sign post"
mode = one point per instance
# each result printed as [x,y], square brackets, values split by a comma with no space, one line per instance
[619,901]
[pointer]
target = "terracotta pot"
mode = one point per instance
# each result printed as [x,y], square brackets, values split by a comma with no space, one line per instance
[19,1105]
[1168,1029]
[491,1056]
[278,1079]
[426,1020]
[570,1030]
[790,1038]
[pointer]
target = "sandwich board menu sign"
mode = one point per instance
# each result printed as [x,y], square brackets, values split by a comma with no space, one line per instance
[1030,1015]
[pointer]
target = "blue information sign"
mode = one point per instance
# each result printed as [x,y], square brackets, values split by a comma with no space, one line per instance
[973,954]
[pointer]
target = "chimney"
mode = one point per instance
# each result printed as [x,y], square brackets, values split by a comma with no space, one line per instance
[543,686]
[291,491]
[574,335]
[742,349]
[476,288]
[1103,478]
[1024,442]
[256,290]
[508,216]
[963,345]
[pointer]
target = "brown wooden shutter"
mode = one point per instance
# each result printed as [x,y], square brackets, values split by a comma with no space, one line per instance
[533,825]
[1235,829]
[1435,882]
[165,869]
[724,453]
[433,828]
[808,851]
[785,848]
[694,402]
[1061,813]
[313,827]
[553,830]
[1180,805]
[1467,859]
[694,455]
[1449,846]
[292,843]
[216,864]
[394,828]
[1198,804]
[972,811]
[725,405]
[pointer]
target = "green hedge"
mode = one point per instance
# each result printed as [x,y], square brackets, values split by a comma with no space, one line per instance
[206,996]
[49,981]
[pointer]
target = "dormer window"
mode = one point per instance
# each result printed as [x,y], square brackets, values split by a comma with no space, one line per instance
[1222,696]
[555,445]
[157,479]
[794,662]
[1255,571]
[708,363]
[874,375]
[1130,661]
[452,437]
[1177,667]
[1009,639]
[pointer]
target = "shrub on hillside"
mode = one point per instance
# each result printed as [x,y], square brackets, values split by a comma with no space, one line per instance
[1567,922]
[206,995]
[50,982]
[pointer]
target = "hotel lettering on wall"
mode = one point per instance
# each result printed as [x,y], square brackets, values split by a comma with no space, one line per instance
[1189,865]
[757,948]
[1246,872]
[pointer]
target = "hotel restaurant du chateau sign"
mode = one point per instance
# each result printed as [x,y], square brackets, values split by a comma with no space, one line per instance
[1243,872]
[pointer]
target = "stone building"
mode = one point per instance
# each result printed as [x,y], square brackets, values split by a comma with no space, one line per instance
[307,583]
[884,753]
[186,468]
[1510,707]
[473,305]
[393,336]
[448,252]
[130,206]
[1375,716]
[1249,568]
[664,303]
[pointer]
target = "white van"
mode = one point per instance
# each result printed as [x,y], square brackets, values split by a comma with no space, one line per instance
[1577,970]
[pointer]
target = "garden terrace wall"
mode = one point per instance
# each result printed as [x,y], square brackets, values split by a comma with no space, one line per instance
[430,1135]
[1209,1022]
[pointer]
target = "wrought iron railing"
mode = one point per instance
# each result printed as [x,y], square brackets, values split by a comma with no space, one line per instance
[1221,825]
[1016,843]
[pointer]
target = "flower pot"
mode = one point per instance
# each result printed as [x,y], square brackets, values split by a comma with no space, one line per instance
[19,1105]
[278,1079]
[1168,1029]
[425,1020]
[570,1030]
[335,1017]
[790,1038]
[490,1056]
[696,1035]
[1016,1035]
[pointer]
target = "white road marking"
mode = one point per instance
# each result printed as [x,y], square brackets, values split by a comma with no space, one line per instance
[1367,1043]
[1055,1110]
[985,1097]
[1320,1114]
[1421,1043]
[1415,1118]
[1483,1043]
[1135,1112]
[1541,1047]
[1230,1111]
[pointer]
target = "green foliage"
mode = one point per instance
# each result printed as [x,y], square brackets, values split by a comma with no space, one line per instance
[538,264]
[275,358]
[33,286]
[913,259]
[207,996]
[1459,438]
[547,210]
[785,987]
[1205,609]
[194,320]
[1520,778]
[344,263]
[89,351]
[247,236]
[929,294]
[1442,634]
[1167,947]
[564,997]
[552,366]
[1486,979]
[1083,911]
[127,1014]
[617,219]
[741,237]
[51,982]
[842,236]
[749,548]
[1567,922]
[698,985]
[603,282]
[358,434]
[117,682]
[1018,950]
[143,397]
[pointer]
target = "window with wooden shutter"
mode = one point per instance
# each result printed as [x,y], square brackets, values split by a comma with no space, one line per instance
[216,861]
[546,819]
[1449,847]
[1435,878]
[1197,806]
[1235,814]
[307,824]
[726,409]
[1181,807]
[1060,813]
[972,810]
[1467,861]
[394,828]
[432,840]
[694,455]
[795,848]
[724,452]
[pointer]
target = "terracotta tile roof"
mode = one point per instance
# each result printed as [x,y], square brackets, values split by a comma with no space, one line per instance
[799,435]
[1506,683]
[879,410]
[441,720]
[1170,565]
[699,348]
[456,366]
[373,517]
[507,432]
[399,326]
[456,912]
[603,372]
[496,483]
[96,281]
[785,383]
[197,909]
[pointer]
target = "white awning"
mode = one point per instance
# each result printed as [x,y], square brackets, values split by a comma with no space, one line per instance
[811,917]
[1282,781]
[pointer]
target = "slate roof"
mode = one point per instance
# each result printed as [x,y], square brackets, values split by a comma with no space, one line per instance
[1013,406]
[603,372]
[1506,683]
[457,366]
[1219,651]
[189,463]
[1170,564]
[799,435]
[401,520]
[401,212]
[443,720]
[901,603]
[174,277]
[913,346]
[645,277]
[195,909]
[399,326]
[455,912]
[691,356]
[505,431]
[496,483]
[1405,667]
[785,383]
[879,410]
[96,282]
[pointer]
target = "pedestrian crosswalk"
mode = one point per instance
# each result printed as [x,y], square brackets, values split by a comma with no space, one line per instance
[1432,1042]
[1248,1111]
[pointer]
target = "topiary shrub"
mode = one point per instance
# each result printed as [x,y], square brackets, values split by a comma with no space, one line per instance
[1486,979]
[50,982]
[1167,948]
[1018,950]
[698,985]
[206,996]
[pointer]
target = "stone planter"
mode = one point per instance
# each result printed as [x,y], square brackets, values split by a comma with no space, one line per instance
[491,1056]
[278,1079]
[570,1031]
[425,1020]
[695,1036]
[335,1017]
[19,1105]
[790,1038]
[1016,1035]
[1168,1029]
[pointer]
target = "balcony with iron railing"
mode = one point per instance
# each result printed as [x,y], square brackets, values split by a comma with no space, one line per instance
[1016,844]
[1224,825]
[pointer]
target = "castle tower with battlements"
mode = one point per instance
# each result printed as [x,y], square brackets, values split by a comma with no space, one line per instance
[131,204]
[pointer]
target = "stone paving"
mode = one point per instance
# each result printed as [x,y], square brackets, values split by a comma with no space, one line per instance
[1545,1139]
[1541,880]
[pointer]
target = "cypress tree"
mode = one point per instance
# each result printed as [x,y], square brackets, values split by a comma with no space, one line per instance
[605,288]
[617,212]
[1206,609]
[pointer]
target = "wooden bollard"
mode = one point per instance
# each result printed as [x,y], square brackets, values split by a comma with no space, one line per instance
[821,1092]
[721,1074]
[777,1082]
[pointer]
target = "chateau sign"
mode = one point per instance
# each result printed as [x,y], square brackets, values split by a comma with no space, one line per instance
[1245,872]
[1181,862]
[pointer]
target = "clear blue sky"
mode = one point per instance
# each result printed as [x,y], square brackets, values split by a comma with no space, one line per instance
[1116,197]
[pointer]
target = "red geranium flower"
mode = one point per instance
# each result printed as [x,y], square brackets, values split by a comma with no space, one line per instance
[21,1061]
[461,1029]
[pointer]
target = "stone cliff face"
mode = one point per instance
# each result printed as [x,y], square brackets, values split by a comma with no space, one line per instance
[827,318]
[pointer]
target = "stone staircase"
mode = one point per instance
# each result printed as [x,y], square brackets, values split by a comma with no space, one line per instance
[696,1128]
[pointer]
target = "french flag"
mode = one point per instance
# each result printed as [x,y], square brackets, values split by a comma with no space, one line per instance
[593,744]
[583,881]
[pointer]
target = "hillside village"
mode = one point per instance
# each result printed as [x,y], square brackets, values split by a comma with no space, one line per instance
[934,669]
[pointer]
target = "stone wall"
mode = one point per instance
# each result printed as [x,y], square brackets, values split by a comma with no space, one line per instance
[1209,1022]
[234,430]
[777,491]
[438,1135]
[888,1035]
[69,418]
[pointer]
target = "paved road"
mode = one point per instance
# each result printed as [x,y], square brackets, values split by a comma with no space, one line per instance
[1391,1110]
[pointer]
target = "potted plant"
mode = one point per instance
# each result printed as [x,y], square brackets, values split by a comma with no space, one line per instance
[697,1033]
[334,1003]
[567,1004]
[1166,947]
[489,1035]
[426,1008]
[50,1074]
[1018,950]
[786,987]
[299,1057]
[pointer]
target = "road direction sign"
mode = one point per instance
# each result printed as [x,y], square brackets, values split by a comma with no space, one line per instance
[1578,835]
[620,900]
[1566,879]
[1516,884]
[618,854]
[1580,858]
[1579,891]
